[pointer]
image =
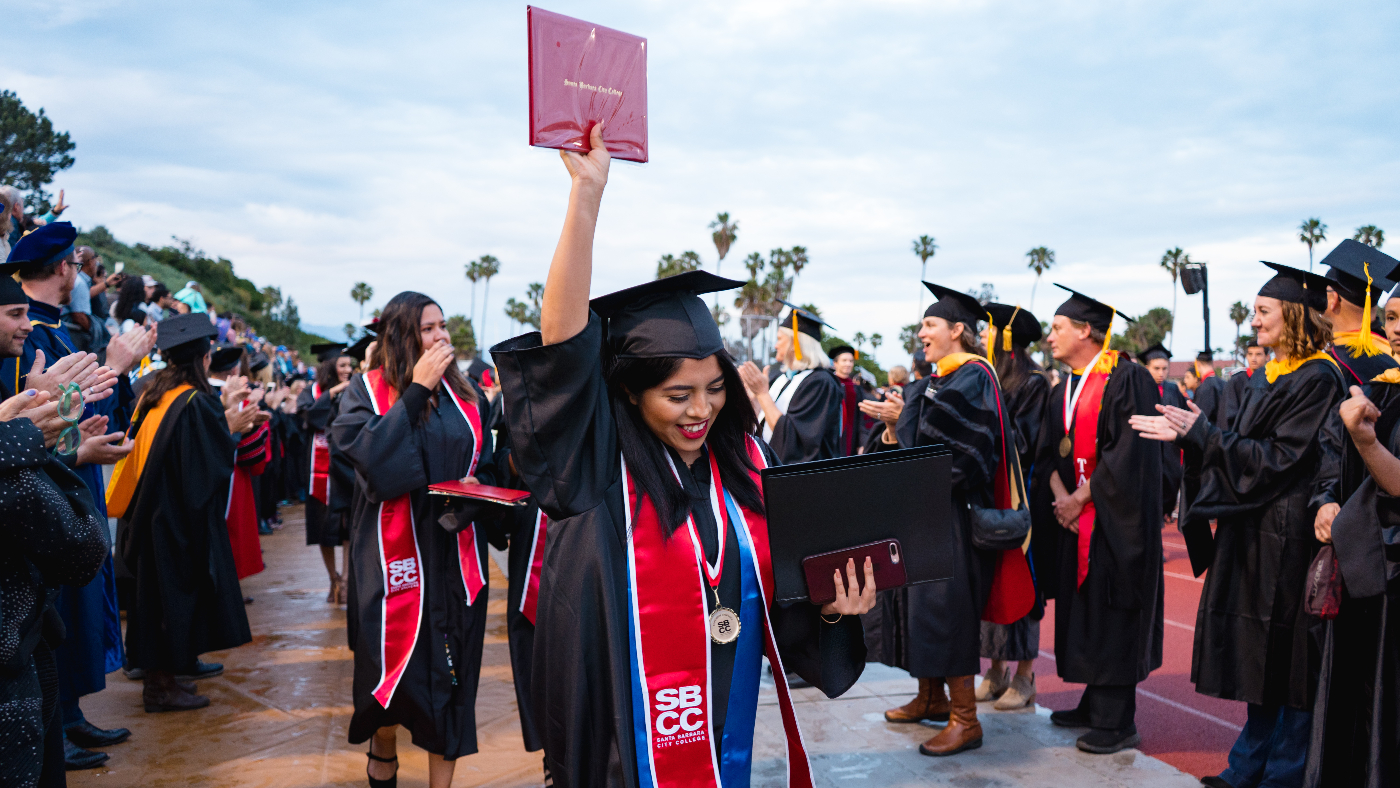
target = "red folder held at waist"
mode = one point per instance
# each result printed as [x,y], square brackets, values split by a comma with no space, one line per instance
[581,74]
[481,492]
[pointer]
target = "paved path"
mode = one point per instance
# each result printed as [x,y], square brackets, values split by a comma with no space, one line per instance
[280,711]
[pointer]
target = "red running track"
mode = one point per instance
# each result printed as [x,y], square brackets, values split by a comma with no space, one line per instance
[1187,730]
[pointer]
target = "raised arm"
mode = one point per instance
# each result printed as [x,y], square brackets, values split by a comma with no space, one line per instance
[564,312]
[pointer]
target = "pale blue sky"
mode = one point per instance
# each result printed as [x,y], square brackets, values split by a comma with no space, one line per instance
[321,144]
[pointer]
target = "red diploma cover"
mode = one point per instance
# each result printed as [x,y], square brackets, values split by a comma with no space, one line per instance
[481,492]
[581,74]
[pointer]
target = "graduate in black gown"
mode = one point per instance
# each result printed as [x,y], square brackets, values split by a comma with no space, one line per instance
[843,366]
[934,630]
[1237,387]
[1107,488]
[1355,734]
[1026,387]
[170,495]
[1254,641]
[799,404]
[419,560]
[1210,389]
[1157,360]
[316,408]
[647,469]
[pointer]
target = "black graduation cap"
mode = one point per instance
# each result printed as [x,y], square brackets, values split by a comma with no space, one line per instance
[664,318]
[475,369]
[1205,357]
[1088,310]
[372,327]
[839,349]
[1025,327]
[226,357]
[1155,352]
[807,322]
[357,350]
[1296,287]
[10,290]
[44,246]
[1350,263]
[954,306]
[186,329]
[328,350]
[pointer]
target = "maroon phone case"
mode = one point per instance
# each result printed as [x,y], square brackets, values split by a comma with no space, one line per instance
[886,555]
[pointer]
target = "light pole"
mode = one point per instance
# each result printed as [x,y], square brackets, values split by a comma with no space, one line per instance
[1193,281]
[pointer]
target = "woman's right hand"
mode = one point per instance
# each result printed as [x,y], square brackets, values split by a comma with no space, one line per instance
[432,365]
[589,170]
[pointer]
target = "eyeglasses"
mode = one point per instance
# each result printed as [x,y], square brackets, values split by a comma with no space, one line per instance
[70,409]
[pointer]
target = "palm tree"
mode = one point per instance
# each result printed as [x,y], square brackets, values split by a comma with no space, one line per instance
[473,271]
[490,266]
[925,247]
[362,293]
[875,341]
[1041,259]
[1174,260]
[724,235]
[1312,232]
[350,330]
[1238,313]
[858,340]
[1370,235]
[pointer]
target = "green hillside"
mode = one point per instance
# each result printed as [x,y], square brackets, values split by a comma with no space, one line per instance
[265,309]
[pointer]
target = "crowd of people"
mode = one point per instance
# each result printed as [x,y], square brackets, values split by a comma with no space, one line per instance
[641,600]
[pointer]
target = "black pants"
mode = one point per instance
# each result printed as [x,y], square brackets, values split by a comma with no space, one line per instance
[1110,708]
[53,774]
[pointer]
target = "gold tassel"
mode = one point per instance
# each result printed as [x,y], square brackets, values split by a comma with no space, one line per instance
[1006,332]
[796,341]
[991,339]
[1364,343]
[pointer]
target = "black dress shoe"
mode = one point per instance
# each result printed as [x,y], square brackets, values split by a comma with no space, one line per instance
[85,734]
[1070,718]
[1215,782]
[203,670]
[1102,742]
[135,674]
[75,757]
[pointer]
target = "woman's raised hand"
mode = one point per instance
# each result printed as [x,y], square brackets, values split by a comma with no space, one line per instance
[589,170]
[432,365]
[1359,415]
[755,379]
[855,602]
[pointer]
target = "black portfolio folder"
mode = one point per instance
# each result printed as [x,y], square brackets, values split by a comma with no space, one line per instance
[817,507]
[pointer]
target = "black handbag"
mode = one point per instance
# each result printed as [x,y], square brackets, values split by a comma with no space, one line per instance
[1003,529]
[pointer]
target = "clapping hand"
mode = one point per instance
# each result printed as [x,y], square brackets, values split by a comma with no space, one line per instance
[100,447]
[1172,424]
[125,352]
[855,602]
[38,407]
[755,379]
[887,411]
[235,391]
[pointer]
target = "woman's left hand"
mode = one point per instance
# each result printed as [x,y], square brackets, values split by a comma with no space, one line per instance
[855,603]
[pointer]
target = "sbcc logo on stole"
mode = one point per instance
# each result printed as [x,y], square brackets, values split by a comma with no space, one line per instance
[681,719]
[403,574]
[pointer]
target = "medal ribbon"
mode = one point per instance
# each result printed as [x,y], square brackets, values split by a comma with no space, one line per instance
[320,460]
[530,598]
[1086,455]
[1072,401]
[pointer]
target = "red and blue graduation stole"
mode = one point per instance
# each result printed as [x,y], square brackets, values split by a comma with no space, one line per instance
[530,599]
[400,562]
[320,459]
[670,649]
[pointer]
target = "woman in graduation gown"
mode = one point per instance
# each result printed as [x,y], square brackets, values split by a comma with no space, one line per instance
[410,421]
[241,514]
[653,608]
[1157,360]
[799,406]
[1026,387]
[1356,718]
[170,495]
[934,630]
[316,408]
[1254,640]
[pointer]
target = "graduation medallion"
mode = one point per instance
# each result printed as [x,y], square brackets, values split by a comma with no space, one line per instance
[724,626]
[1066,446]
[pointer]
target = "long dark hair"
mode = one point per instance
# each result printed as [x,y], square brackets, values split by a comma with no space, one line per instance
[400,345]
[327,376]
[1013,366]
[180,368]
[646,454]
[132,295]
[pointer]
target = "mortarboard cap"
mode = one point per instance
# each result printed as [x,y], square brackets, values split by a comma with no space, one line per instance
[226,357]
[1025,327]
[664,318]
[839,349]
[183,337]
[1155,352]
[357,350]
[328,350]
[372,327]
[806,321]
[11,292]
[1088,310]
[1349,265]
[1296,287]
[44,246]
[954,306]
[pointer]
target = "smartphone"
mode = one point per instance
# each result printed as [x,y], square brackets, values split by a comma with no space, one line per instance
[886,559]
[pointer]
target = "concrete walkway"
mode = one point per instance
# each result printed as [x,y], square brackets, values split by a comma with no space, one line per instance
[280,711]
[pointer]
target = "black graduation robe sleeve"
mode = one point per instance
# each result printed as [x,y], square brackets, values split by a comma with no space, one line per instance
[386,443]
[315,413]
[1209,396]
[811,428]
[1125,487]
[1028,404]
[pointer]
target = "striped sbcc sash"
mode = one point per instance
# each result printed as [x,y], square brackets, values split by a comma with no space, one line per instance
[530,599]
[400,562]
[320,459]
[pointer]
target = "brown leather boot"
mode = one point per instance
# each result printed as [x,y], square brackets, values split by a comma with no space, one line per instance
[930,704]
[161,692]
[963,732]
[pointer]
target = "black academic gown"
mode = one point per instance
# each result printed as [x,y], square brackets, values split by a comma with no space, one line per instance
[1208,397]
[520,631]
[934,629]
[174,541]
[316,414]
[1341,470]
[565,446]
[1356,716]
[1253,639]
[1233,400]
[810,429]
[1108,632]
[1172,463]
[398,453]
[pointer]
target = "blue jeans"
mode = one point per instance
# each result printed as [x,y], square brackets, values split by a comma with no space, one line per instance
[1271,750]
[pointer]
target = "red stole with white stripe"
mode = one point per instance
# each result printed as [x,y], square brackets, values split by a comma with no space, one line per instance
[401,563]
[320,459]
[530,598]
[1086,453]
